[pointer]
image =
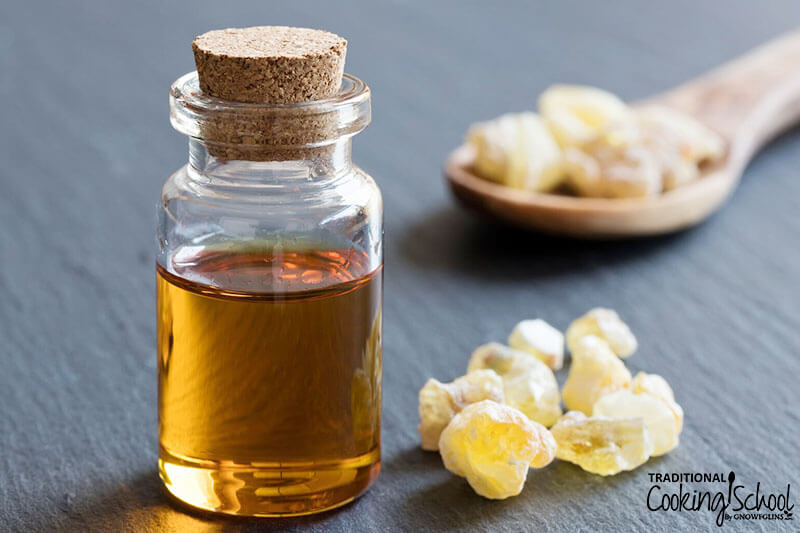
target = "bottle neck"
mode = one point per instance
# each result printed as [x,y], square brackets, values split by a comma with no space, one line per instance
[324,164]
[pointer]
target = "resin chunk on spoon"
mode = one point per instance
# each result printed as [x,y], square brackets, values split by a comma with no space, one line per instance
[746,102]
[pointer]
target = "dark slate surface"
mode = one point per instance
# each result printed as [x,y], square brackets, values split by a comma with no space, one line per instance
[85,145]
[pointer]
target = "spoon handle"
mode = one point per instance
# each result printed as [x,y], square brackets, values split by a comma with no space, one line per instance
[748,100]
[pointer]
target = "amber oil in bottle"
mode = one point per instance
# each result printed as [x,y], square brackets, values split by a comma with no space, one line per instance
[279,391]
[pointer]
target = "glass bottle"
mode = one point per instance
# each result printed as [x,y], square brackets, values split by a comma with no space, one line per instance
[269,288]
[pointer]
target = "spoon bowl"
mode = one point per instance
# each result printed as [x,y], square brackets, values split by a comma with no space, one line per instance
[748,101]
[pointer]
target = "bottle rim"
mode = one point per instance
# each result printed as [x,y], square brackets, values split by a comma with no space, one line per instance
[242,124]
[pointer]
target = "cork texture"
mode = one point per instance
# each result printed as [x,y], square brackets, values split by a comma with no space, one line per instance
[270,64]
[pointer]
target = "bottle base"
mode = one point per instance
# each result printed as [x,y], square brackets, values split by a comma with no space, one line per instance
[267,489]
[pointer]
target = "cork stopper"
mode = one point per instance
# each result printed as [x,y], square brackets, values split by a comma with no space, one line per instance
[270,64]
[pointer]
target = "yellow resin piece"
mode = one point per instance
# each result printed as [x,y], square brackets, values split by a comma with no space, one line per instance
[595,372]
[652,398]
[576,114]
[600,445]
[659,419]
[592,141]
[648,151]
[697,143]
[674,153]
[539,339]
[657,386]
[529,385]
[606,324]
[516,150]
[439,402]
[492,445]
[597,170]
[652,384]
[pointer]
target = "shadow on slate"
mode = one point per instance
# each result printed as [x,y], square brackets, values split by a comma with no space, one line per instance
[475,245]
[452,505]
[105,508]
[143,504]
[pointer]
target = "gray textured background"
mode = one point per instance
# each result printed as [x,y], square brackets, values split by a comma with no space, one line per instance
[85,145]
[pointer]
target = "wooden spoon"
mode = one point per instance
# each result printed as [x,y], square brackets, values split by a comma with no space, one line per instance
[748,101]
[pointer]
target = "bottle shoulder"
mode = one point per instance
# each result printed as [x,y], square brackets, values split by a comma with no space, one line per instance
[352,186]
[343,211]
